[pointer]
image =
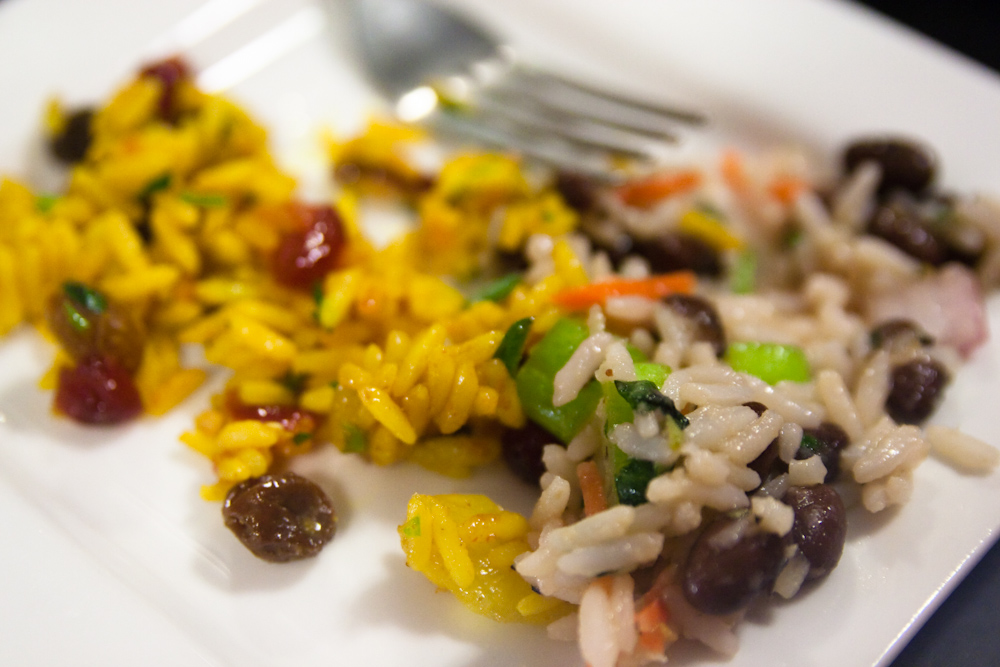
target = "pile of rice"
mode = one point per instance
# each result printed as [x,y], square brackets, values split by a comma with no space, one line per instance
[390,357]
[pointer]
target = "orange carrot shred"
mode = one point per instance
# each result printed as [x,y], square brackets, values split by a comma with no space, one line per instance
[651,622]
[786,188]
[646,192]
[591,488]
[733,170]
[654,287]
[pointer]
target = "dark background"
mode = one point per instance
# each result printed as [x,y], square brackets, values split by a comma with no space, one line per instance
[965,630]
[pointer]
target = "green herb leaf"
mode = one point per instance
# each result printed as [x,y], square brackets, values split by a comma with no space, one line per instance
[44,203]
[644,396]
[294,382]
[300,438]
[205,199]
[512,345]
[354,439]
[161,182]
[88,297]
[411,528]
[632,480]
[497,290]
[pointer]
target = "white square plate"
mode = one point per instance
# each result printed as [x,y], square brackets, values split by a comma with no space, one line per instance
[109,557]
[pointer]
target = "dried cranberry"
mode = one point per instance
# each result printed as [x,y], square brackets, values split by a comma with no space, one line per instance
[98,391]
[280,517]
[305,256]
[170,72]
[291,418]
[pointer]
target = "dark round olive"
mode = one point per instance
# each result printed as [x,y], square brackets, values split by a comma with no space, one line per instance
[70,145]
[729,565]
[905,164]
[826,441]
[87,324]
[97,391]
[522,451]
[702,314]
[820,526]
[915,389]
[899,334]
[280,518]
[677,252]
[902,226]
[579,191]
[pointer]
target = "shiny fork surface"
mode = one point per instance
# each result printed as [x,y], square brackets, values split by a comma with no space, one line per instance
[445,70]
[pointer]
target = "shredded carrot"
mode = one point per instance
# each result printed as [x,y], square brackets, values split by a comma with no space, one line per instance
[652,623]
[734,171]
[645,192]
[651,615]
[786,188]
[591,488]
[654,287]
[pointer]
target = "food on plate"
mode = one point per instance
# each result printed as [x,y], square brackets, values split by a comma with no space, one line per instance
[280,517]
[702,371]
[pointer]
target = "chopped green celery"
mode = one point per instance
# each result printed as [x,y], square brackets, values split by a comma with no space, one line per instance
[536,379]
[498,289]
[616,409]
[743,275]
[655,373]
[638,356]
[512,345]
[771,362]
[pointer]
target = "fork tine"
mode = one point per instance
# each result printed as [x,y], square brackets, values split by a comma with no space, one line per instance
[539,148]
[546,80]
[582,135]
[555,110]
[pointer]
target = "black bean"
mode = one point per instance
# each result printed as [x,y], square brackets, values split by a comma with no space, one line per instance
[767,464]
[899,334]
[280,517]
[730,563]
[915,389]
[702,314]
[522,451]
[905,164]
[826,441]
[820,526]
[677,252]
[579,191]
[901,225]
[71,144]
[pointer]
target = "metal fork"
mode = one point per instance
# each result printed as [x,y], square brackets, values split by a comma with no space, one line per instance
[441,68]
